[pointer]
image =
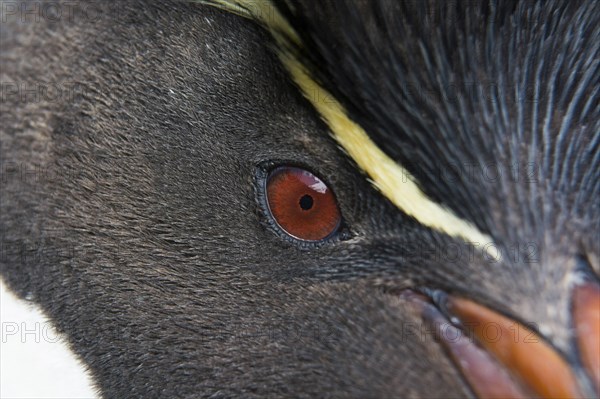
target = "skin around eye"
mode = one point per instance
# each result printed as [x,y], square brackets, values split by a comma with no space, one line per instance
[302,204]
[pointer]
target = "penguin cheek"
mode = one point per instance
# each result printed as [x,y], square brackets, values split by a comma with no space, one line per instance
[301,204]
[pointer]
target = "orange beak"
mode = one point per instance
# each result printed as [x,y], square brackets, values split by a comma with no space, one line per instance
[505,359]
[586,306]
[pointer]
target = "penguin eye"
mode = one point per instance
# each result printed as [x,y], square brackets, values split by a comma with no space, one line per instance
[301,204]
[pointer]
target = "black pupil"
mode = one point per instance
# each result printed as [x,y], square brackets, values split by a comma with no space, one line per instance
[306,202]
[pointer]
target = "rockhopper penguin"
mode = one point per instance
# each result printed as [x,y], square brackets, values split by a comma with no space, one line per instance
[350,198]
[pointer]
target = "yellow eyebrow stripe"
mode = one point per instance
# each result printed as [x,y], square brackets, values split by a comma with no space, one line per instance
[391,179]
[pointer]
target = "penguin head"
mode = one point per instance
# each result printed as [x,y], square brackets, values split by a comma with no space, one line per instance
[367,199]
[453,113]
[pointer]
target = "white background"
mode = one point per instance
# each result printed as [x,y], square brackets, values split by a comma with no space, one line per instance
[35,362]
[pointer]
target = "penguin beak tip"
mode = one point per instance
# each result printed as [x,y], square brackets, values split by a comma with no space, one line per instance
[501,357]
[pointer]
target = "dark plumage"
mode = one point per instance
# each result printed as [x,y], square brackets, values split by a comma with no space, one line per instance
[445,85]
[141,231]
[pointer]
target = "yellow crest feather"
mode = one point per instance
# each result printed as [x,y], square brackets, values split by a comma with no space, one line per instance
[391,179]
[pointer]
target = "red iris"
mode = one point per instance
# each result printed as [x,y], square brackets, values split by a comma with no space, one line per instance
[302,204]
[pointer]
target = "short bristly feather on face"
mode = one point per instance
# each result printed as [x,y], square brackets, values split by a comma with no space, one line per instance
[461,140]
